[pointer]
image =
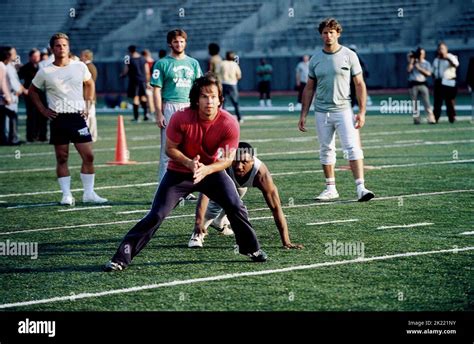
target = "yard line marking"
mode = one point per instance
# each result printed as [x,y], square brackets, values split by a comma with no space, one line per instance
[398,145]
[273,175]
[381,167]
[77,190]
[421,224]
[467,233]
[289,139]
[257,209]
[45,169]
[84,208]
[132,212]
[33,205]
[427,143]
[328,222]
[90,295]
[262,218]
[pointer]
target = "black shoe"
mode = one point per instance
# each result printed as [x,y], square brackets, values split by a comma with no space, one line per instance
[112,266]
[260,256]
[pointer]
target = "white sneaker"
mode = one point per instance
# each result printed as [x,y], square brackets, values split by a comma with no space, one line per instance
[364,195]
[196,240]
[327,195]
[68,200]
[191,197]
[269,103]
[93,198]
[262,103]
[224,230]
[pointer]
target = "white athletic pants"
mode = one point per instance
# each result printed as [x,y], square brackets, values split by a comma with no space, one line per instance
[168,110]
[327,124]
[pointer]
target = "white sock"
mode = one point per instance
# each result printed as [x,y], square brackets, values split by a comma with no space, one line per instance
[359,183]
[65,185]
[331,184]
[88,183]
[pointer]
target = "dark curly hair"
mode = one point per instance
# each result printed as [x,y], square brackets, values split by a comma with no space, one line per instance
[331,24]
[207,79]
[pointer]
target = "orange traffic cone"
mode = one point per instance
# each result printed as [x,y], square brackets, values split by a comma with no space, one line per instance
[121,152]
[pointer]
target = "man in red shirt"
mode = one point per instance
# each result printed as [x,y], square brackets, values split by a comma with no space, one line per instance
[201,142]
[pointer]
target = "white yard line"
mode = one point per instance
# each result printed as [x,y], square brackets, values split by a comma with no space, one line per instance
[77,190]
[250,210]
[381,167]
[84,208]
[399,145]
[33,205]
[273,175]
[262,218]
[421,224]
[467,233]
[328,222]
[289,139]
[89,295]
[45,169]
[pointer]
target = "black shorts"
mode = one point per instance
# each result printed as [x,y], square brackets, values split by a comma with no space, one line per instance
[69,127]
[136,88]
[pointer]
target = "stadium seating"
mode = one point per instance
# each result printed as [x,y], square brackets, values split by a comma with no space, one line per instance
[109,26]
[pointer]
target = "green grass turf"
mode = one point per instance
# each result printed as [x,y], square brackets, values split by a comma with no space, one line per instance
[70,259]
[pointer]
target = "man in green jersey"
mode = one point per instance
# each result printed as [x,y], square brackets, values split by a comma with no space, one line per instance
[172,79]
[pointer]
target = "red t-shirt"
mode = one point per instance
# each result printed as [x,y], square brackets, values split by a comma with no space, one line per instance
[205,138]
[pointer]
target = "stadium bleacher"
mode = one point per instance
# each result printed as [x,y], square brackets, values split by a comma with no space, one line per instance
[275,29]
[107,27]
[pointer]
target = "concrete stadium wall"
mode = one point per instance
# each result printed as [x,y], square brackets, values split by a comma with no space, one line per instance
[386,70]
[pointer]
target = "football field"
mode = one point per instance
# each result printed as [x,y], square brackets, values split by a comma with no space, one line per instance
[409,249]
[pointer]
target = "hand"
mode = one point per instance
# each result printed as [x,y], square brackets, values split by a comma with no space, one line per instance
[160,121]
[301,124]
[48,113]
[199,229]
[290,246]
[85,114]
[200,173]
[360,120]
[8,101]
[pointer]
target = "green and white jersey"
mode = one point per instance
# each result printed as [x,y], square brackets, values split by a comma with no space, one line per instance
[332,73]
[175,77]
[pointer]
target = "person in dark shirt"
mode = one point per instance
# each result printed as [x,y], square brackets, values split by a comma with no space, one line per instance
[36,124]
[138,73]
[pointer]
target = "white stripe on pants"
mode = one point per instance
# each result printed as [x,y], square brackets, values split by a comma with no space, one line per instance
[344,123]
[168,110]
[92,122]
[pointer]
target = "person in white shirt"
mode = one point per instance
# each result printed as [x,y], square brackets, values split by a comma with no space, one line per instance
[63,81]
[444,73]
[419,69]
[302,70]
[17,90]
[229,74]
[6,96]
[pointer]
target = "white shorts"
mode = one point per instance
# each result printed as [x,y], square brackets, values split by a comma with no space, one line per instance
[327,123]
